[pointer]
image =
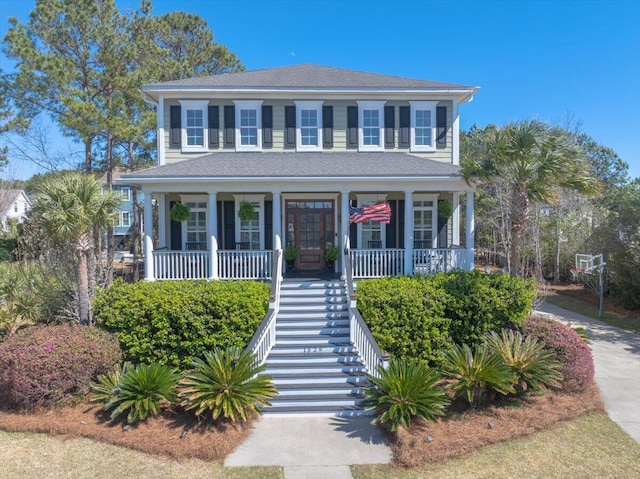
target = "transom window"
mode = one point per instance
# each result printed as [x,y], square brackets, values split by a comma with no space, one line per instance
[194,121]
[308,124]
[370,116]
[423,114]
[248,125]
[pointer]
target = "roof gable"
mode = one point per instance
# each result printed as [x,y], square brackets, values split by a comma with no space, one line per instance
[9,197]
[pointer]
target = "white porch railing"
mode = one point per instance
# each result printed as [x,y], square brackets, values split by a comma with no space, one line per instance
[436,260]
[181,264]
[245,264]
[375,263]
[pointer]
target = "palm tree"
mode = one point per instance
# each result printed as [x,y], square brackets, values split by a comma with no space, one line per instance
[71,207]
[535,160]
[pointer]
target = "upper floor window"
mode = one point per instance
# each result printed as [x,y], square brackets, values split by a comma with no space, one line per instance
[309,122]
[15,207]
[249,126]
[423,125]
[370,123]
[194,119]
[125,193]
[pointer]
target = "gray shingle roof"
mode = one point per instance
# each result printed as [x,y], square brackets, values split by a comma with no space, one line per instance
[307,76]
[297,165]
[7,198]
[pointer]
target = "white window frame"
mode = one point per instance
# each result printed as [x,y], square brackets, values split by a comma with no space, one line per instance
[370,105]
[308,105]
[423,106]
[434,215]
[121,222]
[184,199]
[251,199]
[249,105]
[125,193]
[202,105]
[367,200]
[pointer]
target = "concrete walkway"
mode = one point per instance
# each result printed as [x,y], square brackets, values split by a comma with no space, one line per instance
[312,447]
[616,354]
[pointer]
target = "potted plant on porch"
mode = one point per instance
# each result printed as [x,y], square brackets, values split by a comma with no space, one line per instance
[290,255]
[331,256]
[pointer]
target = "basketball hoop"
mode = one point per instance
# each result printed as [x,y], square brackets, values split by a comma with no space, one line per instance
[575,273]
[586,264]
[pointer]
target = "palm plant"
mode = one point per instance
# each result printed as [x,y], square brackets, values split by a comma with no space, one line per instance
[227,384]
[405,390]
[535,160]
[139,391]
[71,207]
[108,385]
[477,372]
[527,357]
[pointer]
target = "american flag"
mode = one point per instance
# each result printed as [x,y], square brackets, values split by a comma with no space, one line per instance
[380,212]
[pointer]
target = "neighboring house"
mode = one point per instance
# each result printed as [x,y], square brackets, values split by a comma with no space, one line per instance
[14,205]
[123,225]
[303,144]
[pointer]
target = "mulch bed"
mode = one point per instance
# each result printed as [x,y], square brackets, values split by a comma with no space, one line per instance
[465,432]
[159,435]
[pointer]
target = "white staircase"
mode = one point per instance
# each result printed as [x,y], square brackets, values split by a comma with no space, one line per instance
[313,364]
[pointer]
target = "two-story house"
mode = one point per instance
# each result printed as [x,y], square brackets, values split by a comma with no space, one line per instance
[14,206]
[303,145]
[123,224]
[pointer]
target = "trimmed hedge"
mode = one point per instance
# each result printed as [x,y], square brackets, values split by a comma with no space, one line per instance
[172,322]
[421,317]
[51,365]
[571,350]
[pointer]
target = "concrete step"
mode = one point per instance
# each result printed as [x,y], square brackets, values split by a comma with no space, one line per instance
[309,359]
[313,299]
[298,369]
[313,307]
[312,292]
[319,379]
[312,323]
[296,331]
[312,315]
[346,411]
[312,284]
[286,349]
[312,339]
[304,402]
[322,390]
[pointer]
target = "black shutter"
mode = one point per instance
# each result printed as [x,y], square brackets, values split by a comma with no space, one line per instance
[401,224]
[267,126]
[229,225]
[441,127]
[389,126]
[352,127]
[443,231]
[229,125]
[327,127]
[353,228]
[268,225]
[392,227]
[290,126]
[175,231]
[214,126]
[220,225]
[405,125]
[175,121]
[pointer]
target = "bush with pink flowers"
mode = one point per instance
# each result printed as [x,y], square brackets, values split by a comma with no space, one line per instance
[571,350]
[50,365]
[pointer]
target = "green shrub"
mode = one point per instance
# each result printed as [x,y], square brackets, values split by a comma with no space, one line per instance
[571,351]
[534,365]
[405,390]
[50,365]
[477,373]
[8,249]
[226,384]
[406,317]
[171,322]
[421,317]
[139,391]
[107,384]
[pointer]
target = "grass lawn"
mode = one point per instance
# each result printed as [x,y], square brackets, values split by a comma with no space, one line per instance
[25,456]
[612,318]
[589,447]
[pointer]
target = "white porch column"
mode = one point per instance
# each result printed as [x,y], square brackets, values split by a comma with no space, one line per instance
[277,218]
[455,240]
[212,226]
[408,232]
[160,124]
[344,231]
[148,237]
[470,232]
[162,221]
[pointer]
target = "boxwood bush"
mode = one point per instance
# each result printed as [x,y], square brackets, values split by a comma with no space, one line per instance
[173,322]
[421,317]
[50,365]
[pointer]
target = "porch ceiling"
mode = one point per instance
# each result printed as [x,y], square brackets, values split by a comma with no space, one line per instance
[227,165]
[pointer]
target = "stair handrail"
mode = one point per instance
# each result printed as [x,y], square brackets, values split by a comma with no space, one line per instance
[265,336]
[359,334]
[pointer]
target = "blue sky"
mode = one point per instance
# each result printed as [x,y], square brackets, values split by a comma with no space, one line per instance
[543,59]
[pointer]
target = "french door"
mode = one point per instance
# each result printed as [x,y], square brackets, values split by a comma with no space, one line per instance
[310,229]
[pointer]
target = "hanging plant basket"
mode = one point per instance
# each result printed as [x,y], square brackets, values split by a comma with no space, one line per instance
[179,212]
[245,212]
[445,209]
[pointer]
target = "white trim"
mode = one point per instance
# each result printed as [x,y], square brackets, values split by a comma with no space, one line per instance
[121,219]
[160,141]
[366,199]
[455,229]
[379,107]
[249,105]
[251,199]
[308,105]
[455,134]
[194,105]
[429,106]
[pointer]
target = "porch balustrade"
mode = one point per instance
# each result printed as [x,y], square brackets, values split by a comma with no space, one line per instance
[436,260]
[181,264]
[376,263]
[245,264]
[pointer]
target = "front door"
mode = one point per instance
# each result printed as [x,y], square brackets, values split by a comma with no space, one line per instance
[310,229]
